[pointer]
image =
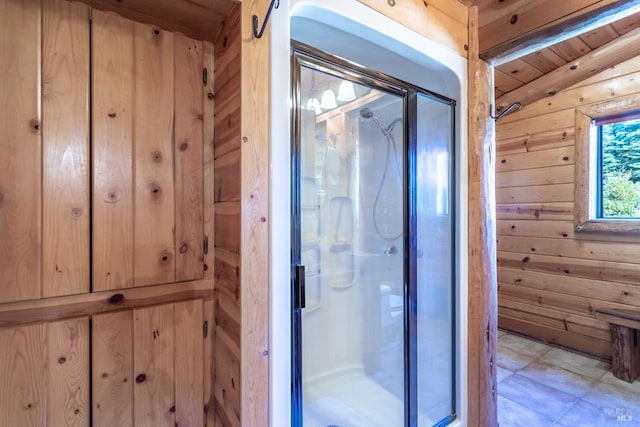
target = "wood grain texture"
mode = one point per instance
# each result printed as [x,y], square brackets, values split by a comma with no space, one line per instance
[65,134]
[153,366]
[208,371]
[188,158]
[483,316]
[112,369]
[208,136]
[154,210]
[197,18]
[68,373]
[189,364]
[625,353]
[443,21]
[22,375]
[55,308]
[112,118]
[254,232]
[577,69]
[20,151]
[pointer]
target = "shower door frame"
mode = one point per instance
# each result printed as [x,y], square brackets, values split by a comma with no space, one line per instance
[304,55]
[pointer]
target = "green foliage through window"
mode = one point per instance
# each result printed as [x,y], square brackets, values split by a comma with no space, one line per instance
[620,150]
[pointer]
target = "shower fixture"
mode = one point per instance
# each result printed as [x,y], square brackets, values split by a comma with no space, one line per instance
[387,131]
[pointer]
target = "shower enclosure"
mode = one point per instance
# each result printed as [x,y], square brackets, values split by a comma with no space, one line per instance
[373,285]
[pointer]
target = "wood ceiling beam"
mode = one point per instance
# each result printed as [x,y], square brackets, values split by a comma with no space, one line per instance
[619,50]
[546,34]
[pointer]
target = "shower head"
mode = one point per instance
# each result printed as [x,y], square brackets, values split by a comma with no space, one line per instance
[366,113]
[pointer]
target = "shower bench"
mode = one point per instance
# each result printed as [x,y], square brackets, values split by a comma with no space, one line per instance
[625,348]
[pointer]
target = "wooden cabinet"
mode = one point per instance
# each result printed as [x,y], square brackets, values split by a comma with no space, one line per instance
[106,210]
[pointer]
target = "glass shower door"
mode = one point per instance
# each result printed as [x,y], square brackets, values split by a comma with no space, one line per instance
[350,314]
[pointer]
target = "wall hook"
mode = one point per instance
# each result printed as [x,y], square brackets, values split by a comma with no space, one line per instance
[506,111]
[258,34]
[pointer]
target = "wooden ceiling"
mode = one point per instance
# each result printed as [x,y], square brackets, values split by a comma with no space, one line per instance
[539,47]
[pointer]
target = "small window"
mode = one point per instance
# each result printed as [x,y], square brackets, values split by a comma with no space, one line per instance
[607,174]
[618,177]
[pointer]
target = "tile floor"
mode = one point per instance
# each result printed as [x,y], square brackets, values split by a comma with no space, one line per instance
[544,386]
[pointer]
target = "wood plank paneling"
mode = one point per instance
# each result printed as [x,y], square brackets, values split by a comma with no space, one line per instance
[68,373]
[537,159]
[189,375]
[154,212]
[443,21]
[544,264]
[188,161]
[208,135]
[112,124]
[65,134]
[153,366]
[112,369]
[536,142]
[535,194]
[20,151]
[22,379]
[208,363]
[540,176]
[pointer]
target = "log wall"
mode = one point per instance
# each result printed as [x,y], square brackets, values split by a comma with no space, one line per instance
[552,279]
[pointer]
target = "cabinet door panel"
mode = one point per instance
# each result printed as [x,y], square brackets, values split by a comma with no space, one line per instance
[189,154]
[112,121]
[153,139]
[65,134]
[20,151]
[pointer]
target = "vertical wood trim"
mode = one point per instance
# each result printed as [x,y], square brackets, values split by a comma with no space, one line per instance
[20,151]
[208,365]
[189,379]
[154,374]
[68,373]
[154,209]
[254,235]
[582,169]
[483,316]
[113,94]
[208,120]
[65,133]
[22,375]
[188,158]
[112,369]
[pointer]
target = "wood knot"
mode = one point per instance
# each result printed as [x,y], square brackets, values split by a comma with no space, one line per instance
[551,92]
[245,139]
[141,378]
[224,42]
[391,2]
[205,267]
[165,257]
[1,199]
[210,96]
[466,47]
[112,114]
[156,156]
[503,161]
[116,299]
[156,191]
[112,196]
[105,375]
[61,360]
[172,409]
[184,146]
[76,212]
[525,259]
[573,67]
[565,158]
[263,219]
[156,31]
[565,235]
[35,125]
[184,248]
[514,19]
[77,411]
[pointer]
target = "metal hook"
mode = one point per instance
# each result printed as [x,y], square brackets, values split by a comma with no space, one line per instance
[258,34]
[506,111]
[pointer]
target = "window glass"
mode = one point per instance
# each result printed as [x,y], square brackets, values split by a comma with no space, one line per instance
[619,161]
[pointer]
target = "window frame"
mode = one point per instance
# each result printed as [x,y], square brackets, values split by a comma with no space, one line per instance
[587,164]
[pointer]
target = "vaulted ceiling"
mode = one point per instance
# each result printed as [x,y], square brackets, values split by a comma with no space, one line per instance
[539,47]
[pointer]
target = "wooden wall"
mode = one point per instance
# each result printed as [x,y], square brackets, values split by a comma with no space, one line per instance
[227,143]
[551,278]
[106,199]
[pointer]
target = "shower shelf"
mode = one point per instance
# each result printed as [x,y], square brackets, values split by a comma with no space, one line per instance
[341,285]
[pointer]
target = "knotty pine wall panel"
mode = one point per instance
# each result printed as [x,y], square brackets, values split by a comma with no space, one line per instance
[551,278]
[226,384]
